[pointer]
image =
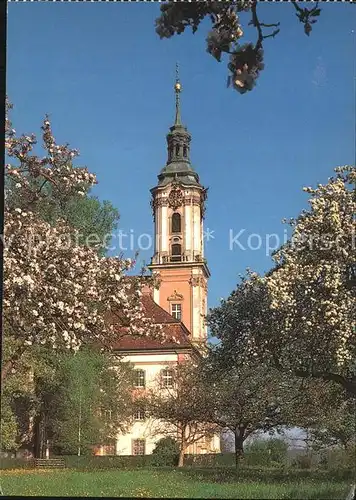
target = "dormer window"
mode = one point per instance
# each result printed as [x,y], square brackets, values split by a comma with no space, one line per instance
[176,223]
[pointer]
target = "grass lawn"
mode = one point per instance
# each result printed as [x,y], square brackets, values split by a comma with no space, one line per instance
[192,483]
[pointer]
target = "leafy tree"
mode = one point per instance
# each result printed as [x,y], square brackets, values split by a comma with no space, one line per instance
[87,404]
[94,221]
[245,60]
[335,424]
[181,411]
[301,315]
[248,397]
[8,426]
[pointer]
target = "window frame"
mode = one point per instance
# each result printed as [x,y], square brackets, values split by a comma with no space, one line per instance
[167,377]
[178,310]
[176,251]
[176,216]
[134,443]
[138,378]
[140,412]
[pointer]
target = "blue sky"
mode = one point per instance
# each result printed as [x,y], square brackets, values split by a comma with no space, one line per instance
[106,79]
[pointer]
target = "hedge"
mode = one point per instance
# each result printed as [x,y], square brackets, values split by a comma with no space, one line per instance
[123,462]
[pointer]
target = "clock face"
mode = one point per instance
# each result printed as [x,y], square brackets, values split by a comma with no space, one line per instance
[175,198]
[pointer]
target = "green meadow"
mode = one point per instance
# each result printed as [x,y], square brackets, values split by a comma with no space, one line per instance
[187,482]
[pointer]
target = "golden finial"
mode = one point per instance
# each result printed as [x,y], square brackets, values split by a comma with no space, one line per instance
[177,85]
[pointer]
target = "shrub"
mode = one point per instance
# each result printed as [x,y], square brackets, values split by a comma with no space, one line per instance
[337,458]
[210,460]
[166,452]
[272,452]
[15,463]
[108,462]
[303,461]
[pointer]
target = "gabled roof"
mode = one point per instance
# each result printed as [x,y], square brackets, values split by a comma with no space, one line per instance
[174,334]
[156,312]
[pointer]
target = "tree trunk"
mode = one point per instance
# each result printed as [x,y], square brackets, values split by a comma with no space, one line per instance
[5,370]
[37,437]
[239,448]
[181,457]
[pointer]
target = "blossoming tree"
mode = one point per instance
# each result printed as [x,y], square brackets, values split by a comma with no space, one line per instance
[302,314]
[57,293]
[246,60]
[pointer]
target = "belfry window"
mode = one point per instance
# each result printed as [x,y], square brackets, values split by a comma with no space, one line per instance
[176,252]
[185,151]
[177,150]
[176,223]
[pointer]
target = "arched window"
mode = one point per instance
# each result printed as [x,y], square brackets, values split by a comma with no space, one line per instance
[177,150]
[176,223]
[185,151]
[176,252]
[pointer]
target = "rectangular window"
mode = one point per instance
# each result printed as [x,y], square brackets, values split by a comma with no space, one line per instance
[167,378]
[177,311]
[138,446]
[139,378]
[140,414]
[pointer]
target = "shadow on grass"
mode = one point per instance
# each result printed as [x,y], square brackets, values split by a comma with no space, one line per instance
[264,475]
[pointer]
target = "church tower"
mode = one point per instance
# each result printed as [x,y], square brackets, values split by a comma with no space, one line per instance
[178,205]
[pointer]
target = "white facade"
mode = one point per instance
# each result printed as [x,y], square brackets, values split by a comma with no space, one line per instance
[152,364]
[150,430]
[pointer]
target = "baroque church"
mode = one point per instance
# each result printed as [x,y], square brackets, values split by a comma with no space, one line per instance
[179,305]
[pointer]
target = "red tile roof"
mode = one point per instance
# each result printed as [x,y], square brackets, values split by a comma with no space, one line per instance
[174,334]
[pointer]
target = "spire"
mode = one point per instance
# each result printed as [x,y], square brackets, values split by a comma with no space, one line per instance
[177,88]
[178,166]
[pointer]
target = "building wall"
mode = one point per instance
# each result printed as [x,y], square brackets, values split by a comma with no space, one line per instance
[149,429]
[152,364]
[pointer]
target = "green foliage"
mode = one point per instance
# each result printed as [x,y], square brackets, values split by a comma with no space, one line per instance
[166,452]
[304,461]
[94,221]
[248,396]
[267,452]
[8,427]
[335,423]
[91,403]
